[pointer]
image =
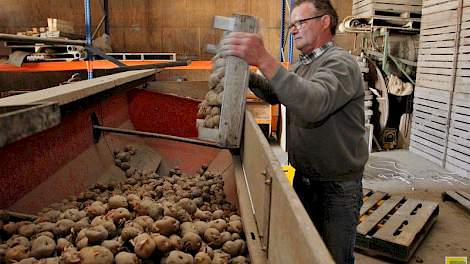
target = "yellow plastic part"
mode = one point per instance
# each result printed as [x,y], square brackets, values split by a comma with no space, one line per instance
[289,171]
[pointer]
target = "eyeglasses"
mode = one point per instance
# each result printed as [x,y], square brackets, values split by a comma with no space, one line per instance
[299,24]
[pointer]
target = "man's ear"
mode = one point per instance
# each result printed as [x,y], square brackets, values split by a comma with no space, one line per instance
[326,22]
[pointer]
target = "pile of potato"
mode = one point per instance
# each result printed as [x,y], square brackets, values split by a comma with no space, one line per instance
[210,108]
[175,219]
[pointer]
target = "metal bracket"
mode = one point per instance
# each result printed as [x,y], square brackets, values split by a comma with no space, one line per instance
[96,132]
[267,210]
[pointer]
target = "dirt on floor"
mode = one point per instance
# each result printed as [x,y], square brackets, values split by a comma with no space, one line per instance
[402,172]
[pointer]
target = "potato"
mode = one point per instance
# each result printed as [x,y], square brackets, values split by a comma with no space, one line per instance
[10,228]
[119,215]
[129,232]
[108,224]
[27,230]
[187,227]
[96,234]
[53,260]
[220,258]
[235,236]
[42,247]
[191,242]
[18,240]
[231,248]
[176,242]
[144,221]
[202,258]
[3,249]
[70,256]
[123,156]
[117,201]
[239,260]
[202,215]
[113,245]
[62,243]
[163,243]
[178,257]
[63,227]
[45,226]
[211,236]
[144,245]
[220,97]
[235,226]
[50,216]
[83,223]
[45,233]
[219,224]
[82,243]
[224,237]
[211,98]
[215,120]
[242,246]
[28,261]
[74,214]
[149,207]
[167,226]
[96,255]
[95,209]
[16,253]
[217,214]
[188,205]
[215,111]
[235,217]
[126,258]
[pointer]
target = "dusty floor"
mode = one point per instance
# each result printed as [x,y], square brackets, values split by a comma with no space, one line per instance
[405,173]
[402,172]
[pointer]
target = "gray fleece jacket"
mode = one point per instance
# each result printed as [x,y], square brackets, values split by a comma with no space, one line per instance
[325,114]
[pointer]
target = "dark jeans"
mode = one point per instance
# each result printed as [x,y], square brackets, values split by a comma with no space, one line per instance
[334,209]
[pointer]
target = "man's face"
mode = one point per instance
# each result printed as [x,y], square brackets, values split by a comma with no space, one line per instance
[306,38]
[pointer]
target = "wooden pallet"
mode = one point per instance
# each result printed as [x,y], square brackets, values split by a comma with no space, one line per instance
[458,147]
[429,123]
[462,84]
[437,48]
[392,8]
[392,225]
[461,197]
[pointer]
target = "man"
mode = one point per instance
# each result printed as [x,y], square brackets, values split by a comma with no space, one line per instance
[324,97]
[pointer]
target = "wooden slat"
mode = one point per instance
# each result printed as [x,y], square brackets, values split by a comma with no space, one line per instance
[397,219]
[74,91]
[287,242]
[463,200]
[17,122]
[235,85]
[253,239]
[371,201]
[372,220]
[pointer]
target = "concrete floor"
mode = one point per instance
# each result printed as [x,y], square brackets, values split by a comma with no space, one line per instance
[405,173]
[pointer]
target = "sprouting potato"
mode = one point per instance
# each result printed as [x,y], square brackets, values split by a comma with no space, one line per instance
[42,247]
[126,258]
[96,255]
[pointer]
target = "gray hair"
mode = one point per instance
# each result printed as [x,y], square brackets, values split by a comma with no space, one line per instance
[324,7]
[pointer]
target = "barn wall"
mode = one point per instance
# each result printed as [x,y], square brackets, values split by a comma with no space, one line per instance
[181,26]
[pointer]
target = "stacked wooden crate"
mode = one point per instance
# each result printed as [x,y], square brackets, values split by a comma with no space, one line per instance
[403,8]
[441,114]
[434,80]
[458,147]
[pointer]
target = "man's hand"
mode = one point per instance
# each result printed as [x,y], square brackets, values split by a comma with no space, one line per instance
[250,48]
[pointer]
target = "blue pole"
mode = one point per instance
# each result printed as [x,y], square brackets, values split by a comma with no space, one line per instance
[88,35]
[283,22]
[291,38]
